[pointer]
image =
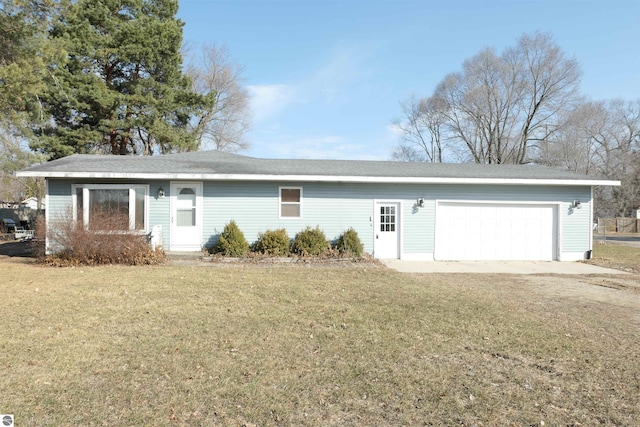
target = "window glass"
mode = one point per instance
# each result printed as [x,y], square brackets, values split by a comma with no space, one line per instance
[292,211]
[109,206]
[80,205]
[290,195]
[186,208]
[140,205]
[186,217]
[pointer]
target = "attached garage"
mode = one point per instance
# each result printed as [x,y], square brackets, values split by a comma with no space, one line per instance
[496,231]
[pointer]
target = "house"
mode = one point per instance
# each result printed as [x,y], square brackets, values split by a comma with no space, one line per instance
[412,211]
[32,203]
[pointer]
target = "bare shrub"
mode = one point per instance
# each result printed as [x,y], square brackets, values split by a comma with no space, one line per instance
[105,242]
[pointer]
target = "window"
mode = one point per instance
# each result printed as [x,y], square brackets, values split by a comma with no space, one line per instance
[290,202]
[388,218]
[127,202]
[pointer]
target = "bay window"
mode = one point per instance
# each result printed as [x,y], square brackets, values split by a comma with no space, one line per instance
[123,206]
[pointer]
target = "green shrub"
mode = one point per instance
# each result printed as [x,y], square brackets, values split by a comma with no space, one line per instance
[231,242]
[349,243]
[310,241]
[273,242]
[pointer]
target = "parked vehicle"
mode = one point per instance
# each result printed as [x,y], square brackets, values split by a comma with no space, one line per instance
[22,234]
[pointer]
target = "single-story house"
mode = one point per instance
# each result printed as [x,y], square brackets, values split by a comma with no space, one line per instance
[412,211]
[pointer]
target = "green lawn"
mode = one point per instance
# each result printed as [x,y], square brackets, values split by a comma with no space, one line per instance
[308,345]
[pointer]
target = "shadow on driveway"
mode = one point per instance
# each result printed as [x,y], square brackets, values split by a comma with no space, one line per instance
[16,249]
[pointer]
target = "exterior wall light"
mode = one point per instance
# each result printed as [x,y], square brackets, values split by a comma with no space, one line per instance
[420,202]
[576,204]
[160,193]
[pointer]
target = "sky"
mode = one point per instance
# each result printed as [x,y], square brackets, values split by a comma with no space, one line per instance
[326,77]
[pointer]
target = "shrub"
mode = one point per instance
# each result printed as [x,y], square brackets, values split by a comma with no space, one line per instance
[349,243]
[273,242]
[107,243]
[231,242]
[310,241]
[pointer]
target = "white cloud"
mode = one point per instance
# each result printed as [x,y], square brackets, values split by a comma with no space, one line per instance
[268,101]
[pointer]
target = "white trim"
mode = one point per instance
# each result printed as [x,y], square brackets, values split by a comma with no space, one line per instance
[47,250]
[284,187]
[557,206]
[572,256]
[591,218]
[318,178]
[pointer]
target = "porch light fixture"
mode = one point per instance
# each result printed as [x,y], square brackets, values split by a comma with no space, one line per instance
[420,202]
[160,193]
[576,204]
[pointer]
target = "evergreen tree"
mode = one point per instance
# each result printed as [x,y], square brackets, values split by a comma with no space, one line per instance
[25,55]
[121,89]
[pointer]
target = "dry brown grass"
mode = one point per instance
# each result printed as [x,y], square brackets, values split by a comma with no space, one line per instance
[618,256]
[308,345]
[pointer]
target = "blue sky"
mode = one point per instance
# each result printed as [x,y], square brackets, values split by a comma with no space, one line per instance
[326,76]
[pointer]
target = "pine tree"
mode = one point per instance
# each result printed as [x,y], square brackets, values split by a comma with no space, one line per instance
[121,89]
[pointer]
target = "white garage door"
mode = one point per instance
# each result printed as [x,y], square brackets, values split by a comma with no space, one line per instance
[493,231]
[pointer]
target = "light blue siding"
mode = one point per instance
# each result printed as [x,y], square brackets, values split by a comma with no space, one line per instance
[335,207]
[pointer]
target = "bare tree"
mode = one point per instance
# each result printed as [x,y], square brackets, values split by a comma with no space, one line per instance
[421,130]
[603,139]
[15,155]
[224,124]
[499,108]
[573,145]
[619,155]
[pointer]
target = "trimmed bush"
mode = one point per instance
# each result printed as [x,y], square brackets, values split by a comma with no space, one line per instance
[310,242]
[273,242]
[349,243]
[231,242]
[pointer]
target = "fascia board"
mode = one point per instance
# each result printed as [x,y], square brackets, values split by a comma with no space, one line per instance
[316,178]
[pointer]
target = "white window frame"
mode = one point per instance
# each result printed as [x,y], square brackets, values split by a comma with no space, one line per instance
[132,202]
[280,202]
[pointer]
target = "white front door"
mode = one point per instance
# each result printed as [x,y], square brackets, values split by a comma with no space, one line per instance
[186,216]
[386,230]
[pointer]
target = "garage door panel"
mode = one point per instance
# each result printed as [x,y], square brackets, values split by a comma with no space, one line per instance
[485,231]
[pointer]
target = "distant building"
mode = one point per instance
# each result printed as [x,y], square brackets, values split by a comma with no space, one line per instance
[32,203]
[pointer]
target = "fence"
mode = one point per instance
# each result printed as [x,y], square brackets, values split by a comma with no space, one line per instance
[618,225]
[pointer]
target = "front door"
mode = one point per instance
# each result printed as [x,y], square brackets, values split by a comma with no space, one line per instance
[386,230]
[186,216]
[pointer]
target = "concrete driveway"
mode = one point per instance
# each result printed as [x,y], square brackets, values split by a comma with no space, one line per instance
[506,267]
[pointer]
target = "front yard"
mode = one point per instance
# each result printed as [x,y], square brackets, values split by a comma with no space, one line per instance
[314,345]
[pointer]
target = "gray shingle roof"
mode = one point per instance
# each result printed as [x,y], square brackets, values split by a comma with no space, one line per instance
[216,164]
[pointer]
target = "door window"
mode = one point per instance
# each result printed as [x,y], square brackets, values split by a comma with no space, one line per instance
[186,208]
[388,218]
